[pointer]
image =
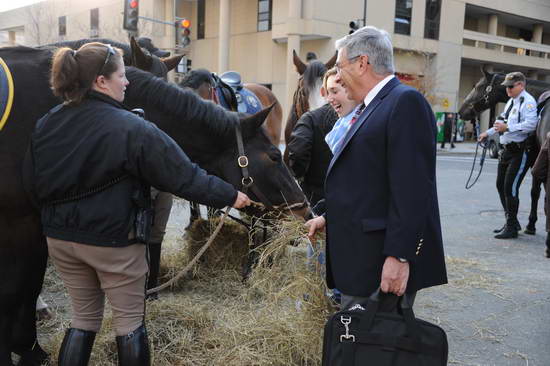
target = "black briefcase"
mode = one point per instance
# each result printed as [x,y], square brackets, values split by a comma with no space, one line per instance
[365,336]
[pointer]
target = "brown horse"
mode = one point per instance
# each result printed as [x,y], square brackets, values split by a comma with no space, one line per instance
[308,93]
[274,122]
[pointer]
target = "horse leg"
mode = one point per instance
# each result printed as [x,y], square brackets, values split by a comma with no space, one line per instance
[547,245]
[25,342]
[535,195]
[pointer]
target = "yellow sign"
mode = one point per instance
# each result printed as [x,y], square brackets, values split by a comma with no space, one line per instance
[445,103]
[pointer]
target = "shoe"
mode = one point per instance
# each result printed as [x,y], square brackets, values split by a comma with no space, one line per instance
[507,233]
[517,225]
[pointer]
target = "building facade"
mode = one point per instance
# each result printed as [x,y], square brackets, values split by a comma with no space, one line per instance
[440,45]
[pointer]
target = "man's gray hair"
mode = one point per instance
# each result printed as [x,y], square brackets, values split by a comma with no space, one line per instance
[373,42]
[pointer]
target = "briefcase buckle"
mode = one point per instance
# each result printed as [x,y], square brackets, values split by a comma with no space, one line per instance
[346,321]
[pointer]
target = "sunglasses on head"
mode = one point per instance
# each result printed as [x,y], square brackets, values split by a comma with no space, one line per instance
[110,51]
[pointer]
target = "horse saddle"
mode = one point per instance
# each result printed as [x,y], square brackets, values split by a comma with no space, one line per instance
[247,102]
[6,92]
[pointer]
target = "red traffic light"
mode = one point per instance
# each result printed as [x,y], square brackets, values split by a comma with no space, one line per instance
[134,4]
[185,23]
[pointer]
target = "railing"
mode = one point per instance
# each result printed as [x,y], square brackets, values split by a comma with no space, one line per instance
[503,44]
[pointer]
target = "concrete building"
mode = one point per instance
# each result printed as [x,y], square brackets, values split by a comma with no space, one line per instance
[440,45]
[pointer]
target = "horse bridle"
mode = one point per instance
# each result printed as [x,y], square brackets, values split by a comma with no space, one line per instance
[247,181]
[485,98]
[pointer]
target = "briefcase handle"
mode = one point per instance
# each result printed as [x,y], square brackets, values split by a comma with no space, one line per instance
[403,304]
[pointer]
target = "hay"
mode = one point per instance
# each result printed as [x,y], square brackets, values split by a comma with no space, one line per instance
[275,318]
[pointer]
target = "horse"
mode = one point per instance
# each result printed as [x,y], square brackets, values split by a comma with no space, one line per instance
[307,95]
[133,54]
[487,92]
[204,131]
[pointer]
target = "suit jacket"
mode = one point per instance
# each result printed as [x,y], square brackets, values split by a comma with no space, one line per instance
[381,196]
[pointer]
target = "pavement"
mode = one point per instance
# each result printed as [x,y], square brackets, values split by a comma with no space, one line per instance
[460,148]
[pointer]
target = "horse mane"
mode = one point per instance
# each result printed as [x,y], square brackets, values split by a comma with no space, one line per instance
[314,71]
[126,49]
[181,105]
[195,78]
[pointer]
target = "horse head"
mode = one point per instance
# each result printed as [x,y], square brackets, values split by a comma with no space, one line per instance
[486,93]
[264,163]
[144,60]
[208,135]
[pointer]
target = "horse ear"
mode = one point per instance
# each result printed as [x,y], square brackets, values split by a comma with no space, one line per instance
[172,62]
[139,58]
[486,73]
[330,63]
[252,123]
[300,66]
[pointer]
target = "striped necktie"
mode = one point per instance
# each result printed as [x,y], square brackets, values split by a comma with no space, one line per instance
[357,114]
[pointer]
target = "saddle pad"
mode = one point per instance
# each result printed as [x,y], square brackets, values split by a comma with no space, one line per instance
[6,93]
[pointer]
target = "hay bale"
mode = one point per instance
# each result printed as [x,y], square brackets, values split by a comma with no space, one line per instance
[228,251]
[276,318]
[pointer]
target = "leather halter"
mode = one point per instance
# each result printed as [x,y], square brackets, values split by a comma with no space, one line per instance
[485,98]
[247,181]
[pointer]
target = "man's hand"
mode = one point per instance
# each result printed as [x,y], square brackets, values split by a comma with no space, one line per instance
[315,225]
[482,136]
[395,275]
[500,126]
[241,201]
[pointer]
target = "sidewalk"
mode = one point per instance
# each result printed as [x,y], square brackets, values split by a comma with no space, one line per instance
[461,148]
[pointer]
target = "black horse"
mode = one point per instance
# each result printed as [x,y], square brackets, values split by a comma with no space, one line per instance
[200,128]
[487,92]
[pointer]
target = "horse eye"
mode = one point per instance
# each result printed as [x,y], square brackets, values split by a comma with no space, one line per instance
[275,157]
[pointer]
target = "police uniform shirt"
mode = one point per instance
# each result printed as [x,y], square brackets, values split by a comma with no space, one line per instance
[518,130]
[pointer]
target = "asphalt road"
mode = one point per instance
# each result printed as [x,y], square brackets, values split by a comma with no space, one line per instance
[496,307]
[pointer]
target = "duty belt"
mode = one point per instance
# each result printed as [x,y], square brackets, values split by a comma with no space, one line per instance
[514,146]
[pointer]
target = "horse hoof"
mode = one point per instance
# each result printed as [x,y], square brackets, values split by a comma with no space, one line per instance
[530,231]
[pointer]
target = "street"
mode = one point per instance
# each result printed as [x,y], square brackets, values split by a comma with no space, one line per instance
[495,308]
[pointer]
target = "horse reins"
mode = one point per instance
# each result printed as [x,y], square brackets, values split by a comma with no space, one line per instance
[484,145]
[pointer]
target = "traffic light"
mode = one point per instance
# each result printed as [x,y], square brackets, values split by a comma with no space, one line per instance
[131,15]
[183,33]
[353,26]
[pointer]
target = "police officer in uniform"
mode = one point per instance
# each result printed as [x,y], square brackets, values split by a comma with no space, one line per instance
[518,121]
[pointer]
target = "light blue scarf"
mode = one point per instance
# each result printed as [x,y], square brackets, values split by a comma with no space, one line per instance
[339,131]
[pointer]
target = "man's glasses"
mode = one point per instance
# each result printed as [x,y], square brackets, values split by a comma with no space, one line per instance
[339,66]
[511,86]
[110,51]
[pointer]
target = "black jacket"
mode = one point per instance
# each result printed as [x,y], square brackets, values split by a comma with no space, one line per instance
[381,195]
[76,149]
[309,154]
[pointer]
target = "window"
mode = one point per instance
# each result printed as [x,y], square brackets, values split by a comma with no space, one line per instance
[62,26]
[403,11]
[200,19]
[431,24]
[264,15]
[94,23]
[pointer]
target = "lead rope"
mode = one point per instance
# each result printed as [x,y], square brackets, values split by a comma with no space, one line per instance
[195,258]
[484,145]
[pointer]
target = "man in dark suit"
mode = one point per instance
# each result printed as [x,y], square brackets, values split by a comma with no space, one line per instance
[382,214]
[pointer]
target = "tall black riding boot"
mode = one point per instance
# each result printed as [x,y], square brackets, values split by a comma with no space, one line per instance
[154,266]
[76,347]
[511,229]
[548,245]
[133,348]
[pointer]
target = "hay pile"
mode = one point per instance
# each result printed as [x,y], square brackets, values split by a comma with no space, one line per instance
[275,318]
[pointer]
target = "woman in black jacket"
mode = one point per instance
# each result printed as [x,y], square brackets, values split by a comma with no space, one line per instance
[94,163]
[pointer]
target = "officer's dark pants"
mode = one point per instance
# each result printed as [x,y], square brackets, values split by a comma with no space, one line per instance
[512,166]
